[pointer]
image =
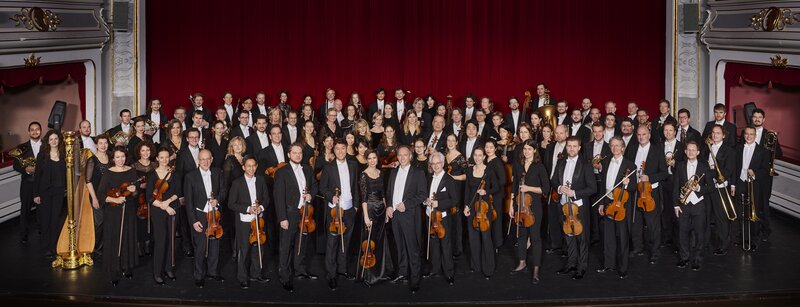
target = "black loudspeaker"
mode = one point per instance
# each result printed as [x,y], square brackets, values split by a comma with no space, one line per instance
[691,21]
[120,17]
[57,115]
[748,112]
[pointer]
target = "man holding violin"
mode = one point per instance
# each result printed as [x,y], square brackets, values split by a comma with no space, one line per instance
[203,191]
[652,166]
[616,206]
[249,195]
[441,197]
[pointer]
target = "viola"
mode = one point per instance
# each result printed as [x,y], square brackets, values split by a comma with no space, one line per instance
[481,221]
[214,228]
[122,190]
[523,216]
[616,209]
[307,222]
[572,225]
[390,158]
[257,234]
[436,227]
[367,259]
[645,201]
[272,170]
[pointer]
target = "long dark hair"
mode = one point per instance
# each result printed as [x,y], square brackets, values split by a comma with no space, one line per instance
[536,157]
[44,153]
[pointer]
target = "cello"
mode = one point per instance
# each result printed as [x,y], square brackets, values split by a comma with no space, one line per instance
[572,224]
[645,201]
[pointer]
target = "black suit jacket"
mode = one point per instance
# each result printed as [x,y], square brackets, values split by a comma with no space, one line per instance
[331,180]
[548,156]
[196,196]
[583,181]
[441,142]
[184,162]
[583,133]
[626,165]
[27,179]
[726,159]
[446,193]
[254,144]
[588,151]
[655,163]
[509,121]
[239,199]
[286,137]
[268,158]
[691,134]
[462,146]
[323,110]
[730,132]
[415,189]
[111,132]
[287,193]
[372,109]
[759,163]
[706,184]
[237,131]
[206,116]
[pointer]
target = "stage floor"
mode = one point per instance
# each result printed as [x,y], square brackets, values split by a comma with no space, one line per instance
[771,275]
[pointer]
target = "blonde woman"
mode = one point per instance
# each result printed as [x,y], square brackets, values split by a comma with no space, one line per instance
[412,128]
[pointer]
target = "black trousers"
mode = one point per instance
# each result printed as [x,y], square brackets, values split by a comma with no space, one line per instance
[26,203]
[290,262]
[441,249]
[722,225]
[497,225]
[457,221]
[335,258]
[764,209]
[534,233]
[203,245]
[578,246]
[692,219]
[247,263]
[163,241]
[669,223]
[186,231]
[595,220]
[615,240]
[97,215]
[650,219]
[481,248]
[554,221]
[49,212]
[405,227]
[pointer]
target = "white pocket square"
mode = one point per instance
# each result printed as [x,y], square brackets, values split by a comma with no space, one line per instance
[443,189]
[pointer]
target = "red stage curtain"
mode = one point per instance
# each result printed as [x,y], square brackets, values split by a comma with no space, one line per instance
[600,49]
[18,78]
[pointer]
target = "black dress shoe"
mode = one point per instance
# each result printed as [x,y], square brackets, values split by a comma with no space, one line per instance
[696,267]
[288,287]
[171,275]
[216,278]
[128,275]
[199,283]
[346,276]
[262,279]
[450,281]
[307,276]
[565,271]
[579,275]
[414,289]
[399,278]
[244,285]
[332,283]
[720,252]
[535,280]
[159,281]
[604,269]
[653,260]
[429,275]
[552,250]
[682,264]
[23,240]
[623,275]
[115,282]
[189,254]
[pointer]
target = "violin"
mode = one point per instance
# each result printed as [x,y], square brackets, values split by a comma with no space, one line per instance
[307,222]
[257,234]
[367,259]
[272,170]
[337,225]
[572,225]
[143,210]
[436,227]
[481,222]
[554,194]
[645,201]
[616,209]
[523,216]
[214,228]
[122,190]
[162,185]
[390,158]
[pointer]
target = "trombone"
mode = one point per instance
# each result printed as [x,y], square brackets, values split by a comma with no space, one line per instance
[771,144]
[749,216]
[725,199]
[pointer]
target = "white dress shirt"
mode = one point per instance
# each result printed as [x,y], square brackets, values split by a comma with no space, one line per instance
[245,130]
[263,139]
[88,143]
[400,185]
[597,149]
[541,102]
[380,103]
[515,118]
[747,157]
[206,175]
[456,129]
[691,169]
[759,132]
[470,145]
[156,118]
[608,134]
[468,111]
[611,175]
[125,128]
[251,189]
[400,106]
[229,109]
[575,128]
[641,156]
[194,151]
[435,180]
[301,182]
[669,147]
[714,151]
[292,133]
[561,118]
[559,147]
[346,194]
[279,152]
[569,170]
[35,146]
[262,108]
[627,139]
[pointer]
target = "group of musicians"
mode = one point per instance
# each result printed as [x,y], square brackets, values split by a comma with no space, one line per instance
[397,190]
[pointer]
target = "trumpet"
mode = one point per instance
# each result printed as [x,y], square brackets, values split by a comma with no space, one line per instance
[750,216]
[597,159]
[670,157]
[725,198]
[16,153]
[689,187]
[771,143]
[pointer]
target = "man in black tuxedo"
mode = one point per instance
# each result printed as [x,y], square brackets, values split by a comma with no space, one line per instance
[456,125]
[596,150]
[260,139]
[328,104]
[553,155]
[691,215]
[685,131]
[441,197]
[197,105]
[197,122]
[664,116]
[124,124]
[752,164]
[758,118]
[628,135]
[241,129]
[294,185]
[227,104]
[652,167]
[203,191]
[575,180]
[611,108]
[562,116]
[158,117]
[405,192]
[586,110]
[515,116]
[726,164]
[436,140]
[339,186]
[469,107]
[377,106]
[30,150]
[85,139]
[186,162]
[261,108]
[290,130]
[616,232]
[610,127]
[728,127]
[643,119]
[673,153]
[276,152]
[577,129]
[543,97]
[248,197]
[400,106]
[471,141]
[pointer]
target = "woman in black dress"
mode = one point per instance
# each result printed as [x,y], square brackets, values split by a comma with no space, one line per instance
[162,215]
[457,168]
[143,166]
[497,176]
[534,183]
[119,214]
[231,170]
[350,138]
[174,139]
[389,118]
[326,156]
[137,136]
[305,112]
[350,117]
[525,133]
[96,166]
[362,146]
[377,130]
[481,247]
[49,189]
[388,147]
[412,128]
[420,158]
[374,213]
[218,144]
[331,126]
[308,137]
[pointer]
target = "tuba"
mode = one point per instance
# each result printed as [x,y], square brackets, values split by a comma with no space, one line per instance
[16,153]
[548,111]
[771,143]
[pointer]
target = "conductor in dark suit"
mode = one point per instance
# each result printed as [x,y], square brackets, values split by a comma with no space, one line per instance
[294,185]
[248,197]
[203,191]
[406,190]
[339,177]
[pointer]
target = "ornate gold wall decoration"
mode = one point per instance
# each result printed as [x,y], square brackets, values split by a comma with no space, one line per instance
[32,60]
[35,18]
[779,61]
[773,19]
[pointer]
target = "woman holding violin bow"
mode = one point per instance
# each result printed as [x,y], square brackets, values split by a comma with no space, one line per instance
[530,182]
[162,195]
